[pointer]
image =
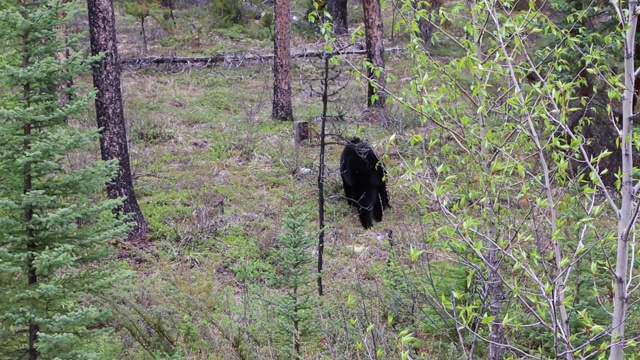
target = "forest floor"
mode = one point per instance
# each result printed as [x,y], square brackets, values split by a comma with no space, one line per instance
[214,176]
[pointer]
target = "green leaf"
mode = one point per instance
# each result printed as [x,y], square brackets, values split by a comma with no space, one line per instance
[407,339]
[415,254]
[580,248]
[596,329]
[415,138]
[486,320]
[350,300]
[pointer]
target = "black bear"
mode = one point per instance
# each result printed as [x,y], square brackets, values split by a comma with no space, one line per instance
[364,180]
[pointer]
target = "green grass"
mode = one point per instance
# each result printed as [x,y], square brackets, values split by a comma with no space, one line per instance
[206,134]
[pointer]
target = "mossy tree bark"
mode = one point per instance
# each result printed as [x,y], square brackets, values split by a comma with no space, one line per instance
[110,113]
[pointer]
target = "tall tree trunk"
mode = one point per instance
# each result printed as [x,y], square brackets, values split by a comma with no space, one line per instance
[636,54]
[32,277]
[375,52]
[494,288]
[282,109]
[626,216]
[338,11]
[323,129]
[110,113]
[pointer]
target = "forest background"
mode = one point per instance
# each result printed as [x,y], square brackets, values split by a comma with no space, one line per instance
[506,130]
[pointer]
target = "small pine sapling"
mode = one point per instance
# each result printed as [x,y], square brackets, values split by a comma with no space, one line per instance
[294,279]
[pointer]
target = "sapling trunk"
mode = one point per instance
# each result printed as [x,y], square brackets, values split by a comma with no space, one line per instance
[325,99]
[626,217]
[32,277]
[144,34]
[558,310]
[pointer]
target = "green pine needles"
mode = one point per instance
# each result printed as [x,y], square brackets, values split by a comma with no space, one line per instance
[294,306]
[54,223]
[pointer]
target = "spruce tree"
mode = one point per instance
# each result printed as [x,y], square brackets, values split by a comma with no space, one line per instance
[294,277]
[53,221]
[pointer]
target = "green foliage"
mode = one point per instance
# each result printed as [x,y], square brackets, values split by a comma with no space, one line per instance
[505,201]
[240,32]
[142,129]
[315,10]
[54,226]
[418,297]
[140,9]
[294,278]
[249,263]
[592,46]
[227,13]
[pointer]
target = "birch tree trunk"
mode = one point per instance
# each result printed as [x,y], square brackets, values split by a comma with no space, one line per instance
[626,216]
[494,288]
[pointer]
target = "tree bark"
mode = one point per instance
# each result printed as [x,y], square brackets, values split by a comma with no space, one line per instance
[110,113]
[425,26]
[636,87]
[375,52]
[338,11]
[32,277]
[323,128]
[144,33]
[282,108]
[496,298]
[628,191]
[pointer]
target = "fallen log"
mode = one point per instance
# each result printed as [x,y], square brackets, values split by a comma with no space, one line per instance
[233,59]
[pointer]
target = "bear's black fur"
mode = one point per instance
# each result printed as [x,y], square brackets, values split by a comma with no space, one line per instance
[364,180]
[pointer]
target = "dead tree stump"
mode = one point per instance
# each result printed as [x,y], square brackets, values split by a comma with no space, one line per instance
[301,131]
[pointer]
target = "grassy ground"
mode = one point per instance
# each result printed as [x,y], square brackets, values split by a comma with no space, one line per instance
[214,174]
